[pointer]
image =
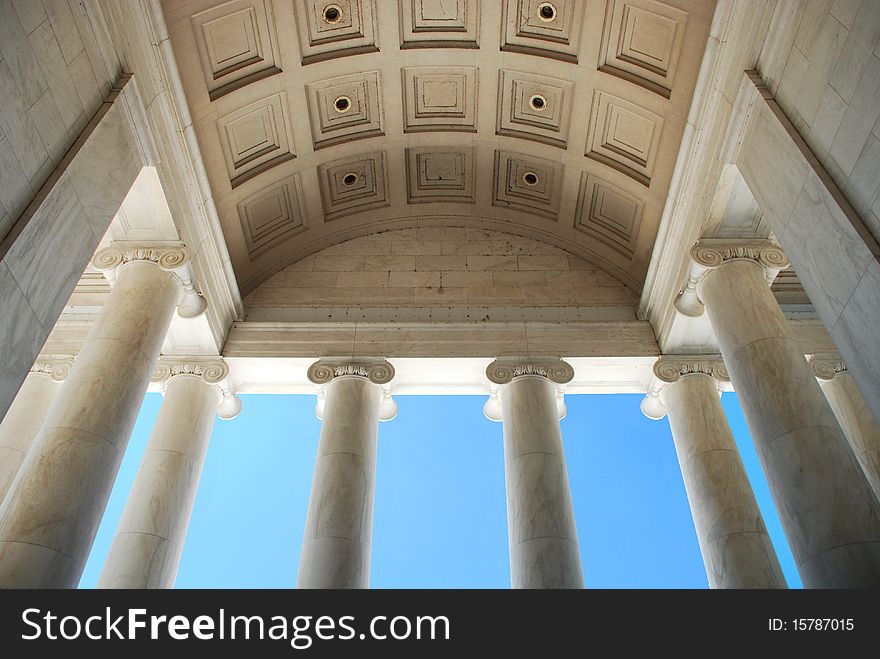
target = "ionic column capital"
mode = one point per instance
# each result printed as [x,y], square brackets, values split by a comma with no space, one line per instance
[711,253]
[171,257]
[56,368]
[827,366]
[672,368]
[377,371]
[212,371]
[505,370]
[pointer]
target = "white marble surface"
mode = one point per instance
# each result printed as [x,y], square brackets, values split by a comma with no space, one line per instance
[339,523]
[736,548]
[50,516]
[857,422]
[149,539]
[828,511]
[540,518]
[21,423]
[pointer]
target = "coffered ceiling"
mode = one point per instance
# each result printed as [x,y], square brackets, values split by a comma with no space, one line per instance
[320,121]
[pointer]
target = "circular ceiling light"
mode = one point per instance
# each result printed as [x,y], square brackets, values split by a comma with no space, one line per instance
[332,14]
[547,12]
[530,179]
[350,179]
[538,102]
[342,104]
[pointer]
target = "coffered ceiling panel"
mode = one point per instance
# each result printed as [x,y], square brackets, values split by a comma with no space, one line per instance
[439,23]
[237,44]
[320,121]
[440,175]
[440,98]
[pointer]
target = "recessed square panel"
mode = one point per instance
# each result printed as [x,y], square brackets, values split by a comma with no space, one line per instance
[256,138]
[439,23]
[335,28]
[272,215]
[610,215]
[345,108]
[641,42]
[527,184]
[440,175]
[624,136]
[534,107]
[543,28]
[440,98]
[237,44]
[353,185]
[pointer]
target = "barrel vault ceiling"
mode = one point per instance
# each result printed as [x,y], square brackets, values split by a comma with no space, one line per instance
[320,121]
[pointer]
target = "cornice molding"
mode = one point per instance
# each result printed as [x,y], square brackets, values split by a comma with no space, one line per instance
[505,370]
[827,366]
[56,368]
[171,257]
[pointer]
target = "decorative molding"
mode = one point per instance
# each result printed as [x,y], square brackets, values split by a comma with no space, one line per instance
[524,30]
[440,175]
[641,42]
[534,107]
[345,108]
[440,98]
[827,366]
[237,44]
[446,24]
[505,370]
[708,254]
[352,33]
[57,368]
[173,258]
[377,371]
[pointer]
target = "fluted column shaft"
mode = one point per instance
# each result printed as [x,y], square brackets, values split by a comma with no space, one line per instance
[857,422]
[23,420]
[734,542]
[149,539]
[49,520]
[830,516]
[543,538]
[339,523]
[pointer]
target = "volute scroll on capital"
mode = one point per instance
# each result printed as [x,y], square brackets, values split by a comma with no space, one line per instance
[672,368]
[57,368]
[504,370]
[827,366]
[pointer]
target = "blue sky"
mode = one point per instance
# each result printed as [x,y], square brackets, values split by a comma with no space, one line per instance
[440,517]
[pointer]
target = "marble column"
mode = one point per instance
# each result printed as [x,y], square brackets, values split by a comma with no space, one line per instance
[26,414]
[856,420]
[149,539]
[830,515]
[734,542]
[543,540]
[49,519]
[339,523]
